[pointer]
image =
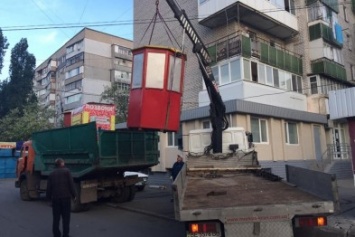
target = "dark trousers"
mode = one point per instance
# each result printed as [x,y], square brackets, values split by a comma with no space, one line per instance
[61,209]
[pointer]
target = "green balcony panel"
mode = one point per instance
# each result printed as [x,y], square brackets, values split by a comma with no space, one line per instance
[329,68]
[212,50]
[264,54]
[353,6]
[280,59]
[323,31]
[272,56]
[246,47]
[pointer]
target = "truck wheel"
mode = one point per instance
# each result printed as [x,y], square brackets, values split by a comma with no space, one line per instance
[122,195]
[132,193]
[24,193]
[141,188]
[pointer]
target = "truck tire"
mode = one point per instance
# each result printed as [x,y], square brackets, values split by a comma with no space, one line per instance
[132,193]
[24,193]
[122,195]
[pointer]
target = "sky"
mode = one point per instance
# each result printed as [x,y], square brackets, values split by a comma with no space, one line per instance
[49,24]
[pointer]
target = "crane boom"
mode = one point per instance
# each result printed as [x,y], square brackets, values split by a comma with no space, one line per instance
[217,107]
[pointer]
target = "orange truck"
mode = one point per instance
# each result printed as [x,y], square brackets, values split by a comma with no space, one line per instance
[97,159]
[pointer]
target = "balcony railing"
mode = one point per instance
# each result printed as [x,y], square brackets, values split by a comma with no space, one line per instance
[239,45]
[338,151]
[328,68]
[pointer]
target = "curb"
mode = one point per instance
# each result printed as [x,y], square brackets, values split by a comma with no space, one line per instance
[118,206]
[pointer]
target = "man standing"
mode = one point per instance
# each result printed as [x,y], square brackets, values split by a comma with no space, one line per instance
[60,190]
[177,167]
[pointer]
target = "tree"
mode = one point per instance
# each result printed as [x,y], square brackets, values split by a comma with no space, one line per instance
[3,46]
[18,89]
[117,95]
[18,126]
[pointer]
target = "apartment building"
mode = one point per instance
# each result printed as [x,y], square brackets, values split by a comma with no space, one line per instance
[79,71]
[275,62]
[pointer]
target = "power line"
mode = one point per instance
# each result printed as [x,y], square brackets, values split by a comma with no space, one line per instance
[116,23]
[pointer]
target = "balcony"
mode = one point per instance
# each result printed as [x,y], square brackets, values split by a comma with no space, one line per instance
[258,14]
[328,68]
[239,45]
[353,6]
[322,31]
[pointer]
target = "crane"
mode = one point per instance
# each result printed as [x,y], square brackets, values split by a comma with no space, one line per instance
[218,118]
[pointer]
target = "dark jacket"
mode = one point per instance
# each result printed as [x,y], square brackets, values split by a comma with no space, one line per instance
[176,169]
[60,184]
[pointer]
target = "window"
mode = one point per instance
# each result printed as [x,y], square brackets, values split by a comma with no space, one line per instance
[254,71]
[123,50]
[73,86]
[269,77]
[346,18]
[224,74]
[314,85]
[297,84]
[122,75]
[235,70]
[172,139]
[261,73]
[276,77]
[74,72]
[72,98]
[352,69]
[291,133]
[206,124]
[246,66]
[259,130]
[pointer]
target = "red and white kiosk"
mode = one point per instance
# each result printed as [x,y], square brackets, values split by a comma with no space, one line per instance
[156,89]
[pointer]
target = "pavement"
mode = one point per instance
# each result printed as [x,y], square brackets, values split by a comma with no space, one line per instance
[343,222]
[158,191]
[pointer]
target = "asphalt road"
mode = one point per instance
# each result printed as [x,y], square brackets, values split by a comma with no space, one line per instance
[150,214]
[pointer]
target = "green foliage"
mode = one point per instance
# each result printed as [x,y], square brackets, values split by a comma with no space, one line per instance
[18,126]
[17,92]
[117,95]
[3,46]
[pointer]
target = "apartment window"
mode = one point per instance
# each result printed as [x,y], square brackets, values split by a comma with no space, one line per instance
[314,85]
[259,130]
[235,70]
[172,139]
[73,86]
[72,98]
[224,70]
[123,50]
[74,72]
[254,71]
[291,133]
[70,49]
[261,73]
[352,69]
[246,67]
[276,77]
[346,18]
[269,76]
[75,59]
[206,124]
[122,75]
[297,84]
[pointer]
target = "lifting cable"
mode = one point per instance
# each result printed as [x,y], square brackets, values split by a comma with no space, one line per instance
[154,21]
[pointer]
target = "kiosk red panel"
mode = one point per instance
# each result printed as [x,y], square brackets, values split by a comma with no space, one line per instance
[156,89]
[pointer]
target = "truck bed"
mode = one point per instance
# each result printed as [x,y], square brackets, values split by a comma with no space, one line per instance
[238,189]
